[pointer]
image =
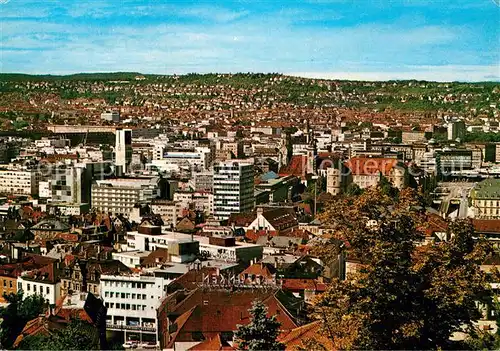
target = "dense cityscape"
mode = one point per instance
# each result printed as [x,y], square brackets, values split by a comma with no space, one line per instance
[237,175]
[144,211]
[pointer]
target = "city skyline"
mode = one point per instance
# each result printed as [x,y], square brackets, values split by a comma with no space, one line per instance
[442,41]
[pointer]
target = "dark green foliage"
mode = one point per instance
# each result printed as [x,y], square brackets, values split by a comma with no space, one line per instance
[483,137]
[23,236]
[261,333]
[17,314]
[387,188]
[353,189]
[78,335]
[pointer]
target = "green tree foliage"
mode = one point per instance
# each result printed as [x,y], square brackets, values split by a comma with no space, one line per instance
[17,313]
[403,296]
[78,335]
[387,188]
[23,236]
[483,137]
[262,331]
[353,189]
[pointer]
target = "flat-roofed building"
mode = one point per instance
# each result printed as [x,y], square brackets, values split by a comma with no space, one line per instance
[485,198]
[119,195]
[233,188]
[19,182]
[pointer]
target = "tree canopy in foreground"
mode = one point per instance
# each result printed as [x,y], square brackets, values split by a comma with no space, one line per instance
[262,331]
[405,294]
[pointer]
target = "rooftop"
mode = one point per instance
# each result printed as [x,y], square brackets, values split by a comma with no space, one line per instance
[487,189]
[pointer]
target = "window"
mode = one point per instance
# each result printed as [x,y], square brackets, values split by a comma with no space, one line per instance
[144,296]
[29,287]
[10,284]
[4,283]
[133,296]
[111,294]
[106,294]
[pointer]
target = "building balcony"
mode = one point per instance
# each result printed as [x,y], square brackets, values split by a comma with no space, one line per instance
[151,329]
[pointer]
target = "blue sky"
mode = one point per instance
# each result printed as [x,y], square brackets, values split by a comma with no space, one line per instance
[358,39]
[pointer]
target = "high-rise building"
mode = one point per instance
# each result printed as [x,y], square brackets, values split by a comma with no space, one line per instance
[70,184]
[456,130]
[233,188]
[123,149]
[111,116]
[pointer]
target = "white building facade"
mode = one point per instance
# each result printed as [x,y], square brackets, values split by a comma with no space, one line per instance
[19,182]
[119,195]
[132,301]
[233,188]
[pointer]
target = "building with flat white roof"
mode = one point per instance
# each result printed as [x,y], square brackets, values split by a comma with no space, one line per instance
[119,195]
[220,248]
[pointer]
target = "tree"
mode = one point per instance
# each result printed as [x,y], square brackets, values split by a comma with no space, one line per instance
[387,187]
[77,335]
[353,189]
[262,331]
[403,296]
[17,313]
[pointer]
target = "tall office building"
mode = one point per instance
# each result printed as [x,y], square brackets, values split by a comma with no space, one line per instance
[456,130]
[233,188]
[111,116]
[123,149]
[70,184]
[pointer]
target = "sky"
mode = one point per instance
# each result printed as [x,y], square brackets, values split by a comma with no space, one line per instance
[440,40]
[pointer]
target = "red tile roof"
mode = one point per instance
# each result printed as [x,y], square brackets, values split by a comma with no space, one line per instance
[312,331]
[253,235]
[486,225]
[260,269]
[281,218]
[217,311]
[296,285]
[241,219]
[193,278]
[213,344]
[297,167]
